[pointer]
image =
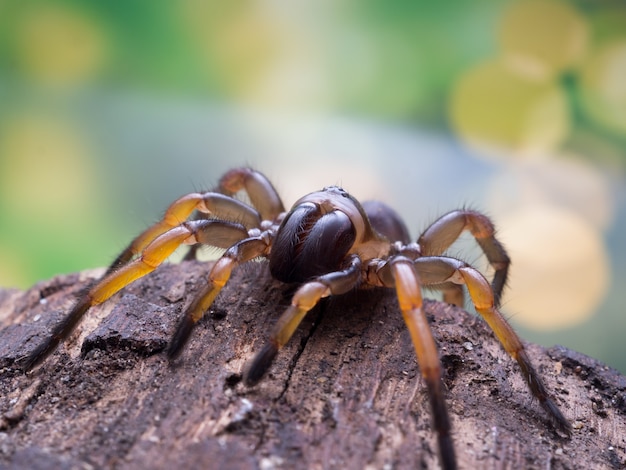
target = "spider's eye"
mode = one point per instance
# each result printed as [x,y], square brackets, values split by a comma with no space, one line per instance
[309,244]
[336,190]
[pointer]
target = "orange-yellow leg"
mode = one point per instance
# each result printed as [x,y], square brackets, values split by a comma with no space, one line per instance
[406,281]
[437,238]
[305,298]
[236,255]
[151,257]
[453,294]
[259,189]
[436,270]
[217,205]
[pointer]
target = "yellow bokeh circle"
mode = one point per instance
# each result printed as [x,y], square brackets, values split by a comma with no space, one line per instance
[560,267]
[565,180]
[494,108]
[603,85]
[543,37]
[59,46]
[45,168]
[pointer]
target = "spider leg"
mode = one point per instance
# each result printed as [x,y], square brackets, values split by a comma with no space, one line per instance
[260,191]
[241,252]
[305,298]
[437,238]
[452,293]
[217,233]
[217,205]
[400,273]
[436,270]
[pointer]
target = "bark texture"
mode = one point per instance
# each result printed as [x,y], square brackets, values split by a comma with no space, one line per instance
[345,393]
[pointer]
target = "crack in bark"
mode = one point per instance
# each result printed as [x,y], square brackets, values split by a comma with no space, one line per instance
[97,409]
[318,314]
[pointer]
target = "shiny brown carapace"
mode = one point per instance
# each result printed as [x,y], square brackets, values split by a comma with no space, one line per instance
[328,244]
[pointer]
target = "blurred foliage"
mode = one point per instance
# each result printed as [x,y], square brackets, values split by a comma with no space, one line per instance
[395,59]
[127,44]
[98,130]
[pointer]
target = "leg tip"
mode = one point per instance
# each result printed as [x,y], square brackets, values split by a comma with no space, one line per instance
[256,369]
[180,338]
[556,417]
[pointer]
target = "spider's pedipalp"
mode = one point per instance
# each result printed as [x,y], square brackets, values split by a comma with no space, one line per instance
[305,298]
[439,269]
[241,252]
[438,237]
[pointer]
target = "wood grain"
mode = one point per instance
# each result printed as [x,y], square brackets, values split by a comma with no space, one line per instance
[345,392]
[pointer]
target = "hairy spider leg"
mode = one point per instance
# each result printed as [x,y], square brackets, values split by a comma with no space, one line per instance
[220,233]
[240,253]
[452,293]
[400,273]
[305,298]
[435,270]
[261,192]
[437,238]
[217,205]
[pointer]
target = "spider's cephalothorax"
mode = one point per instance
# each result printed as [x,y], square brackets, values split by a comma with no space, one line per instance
[330,244]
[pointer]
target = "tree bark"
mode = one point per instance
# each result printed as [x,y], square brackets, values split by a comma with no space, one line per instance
[345,392]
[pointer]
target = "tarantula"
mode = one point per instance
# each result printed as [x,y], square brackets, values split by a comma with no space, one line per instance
[330,244]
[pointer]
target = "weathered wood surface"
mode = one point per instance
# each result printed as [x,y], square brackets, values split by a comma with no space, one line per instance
[345,393]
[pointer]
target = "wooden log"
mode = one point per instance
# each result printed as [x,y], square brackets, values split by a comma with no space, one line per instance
[345,392]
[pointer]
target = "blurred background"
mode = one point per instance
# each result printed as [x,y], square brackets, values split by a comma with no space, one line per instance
[110,110]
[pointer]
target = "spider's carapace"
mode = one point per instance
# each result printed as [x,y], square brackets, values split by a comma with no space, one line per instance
[330,244]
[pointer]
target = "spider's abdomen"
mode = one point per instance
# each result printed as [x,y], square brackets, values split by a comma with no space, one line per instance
[310,243]
[386,221]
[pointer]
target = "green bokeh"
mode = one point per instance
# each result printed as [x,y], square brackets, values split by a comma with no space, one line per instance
[155,99]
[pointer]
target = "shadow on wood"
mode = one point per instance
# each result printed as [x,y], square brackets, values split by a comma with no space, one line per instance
[344,393]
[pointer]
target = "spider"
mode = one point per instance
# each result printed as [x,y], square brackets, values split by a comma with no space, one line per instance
[329,244]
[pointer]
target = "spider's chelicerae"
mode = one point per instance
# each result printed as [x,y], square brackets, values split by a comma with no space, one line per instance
[330,244]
